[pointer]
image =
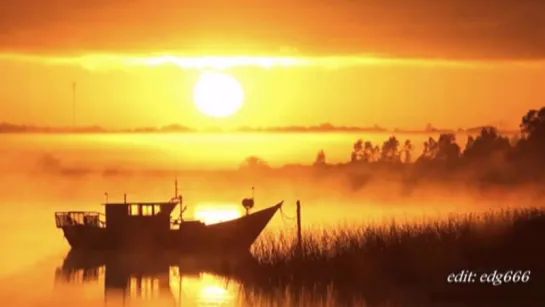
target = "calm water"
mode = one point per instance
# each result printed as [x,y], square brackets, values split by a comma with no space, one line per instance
[53,282]
[31,270]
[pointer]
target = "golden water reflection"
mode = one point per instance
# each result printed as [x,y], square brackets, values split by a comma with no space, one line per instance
[203,288]
[140,283]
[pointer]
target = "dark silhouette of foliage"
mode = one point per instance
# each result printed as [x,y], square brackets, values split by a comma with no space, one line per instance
[366,151]
[447,149]
[254,162]
[489,156]
[407,151]
[487,144]
[369,152]
[430,148]
[320,158]
[390,150]
[444,149]
[533,124]
[357,151]
[531,147]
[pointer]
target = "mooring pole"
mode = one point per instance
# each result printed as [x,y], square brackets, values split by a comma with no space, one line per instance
[299,239]
[180,285]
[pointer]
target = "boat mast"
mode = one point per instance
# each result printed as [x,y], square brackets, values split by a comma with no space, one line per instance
[178,198]
[176,188]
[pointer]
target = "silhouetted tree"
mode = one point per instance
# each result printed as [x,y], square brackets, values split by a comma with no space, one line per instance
[368,152]
[533,124]
[488,143]
[254,162]
[364,152]
[407,151]
[430,149]
[446,148]
[390,150]
[518,156]
[320,158]
[357,151]
[531,147]
[470,141]
[376,153]
[353,157]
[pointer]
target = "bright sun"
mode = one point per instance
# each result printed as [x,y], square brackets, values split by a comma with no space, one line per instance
[218,94]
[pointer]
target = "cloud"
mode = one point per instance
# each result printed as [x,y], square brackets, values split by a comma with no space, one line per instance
[447,29]
[108,62]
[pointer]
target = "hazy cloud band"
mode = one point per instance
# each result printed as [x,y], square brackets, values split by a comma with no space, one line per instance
[447,29]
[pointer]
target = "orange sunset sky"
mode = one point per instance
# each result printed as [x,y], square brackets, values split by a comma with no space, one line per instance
[452,63]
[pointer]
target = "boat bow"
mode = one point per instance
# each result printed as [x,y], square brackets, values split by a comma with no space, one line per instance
[243,231]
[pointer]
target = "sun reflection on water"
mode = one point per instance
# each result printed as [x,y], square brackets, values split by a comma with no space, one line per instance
[202,289]
[215,213]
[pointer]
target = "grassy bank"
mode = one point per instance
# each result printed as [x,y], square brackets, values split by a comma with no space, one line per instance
[409,259]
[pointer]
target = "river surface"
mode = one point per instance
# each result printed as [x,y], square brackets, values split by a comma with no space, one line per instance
[50,283]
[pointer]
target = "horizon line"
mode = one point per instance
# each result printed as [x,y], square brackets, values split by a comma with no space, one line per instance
[6,127]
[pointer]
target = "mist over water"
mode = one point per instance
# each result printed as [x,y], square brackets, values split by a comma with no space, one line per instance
[210,151]
[41,174]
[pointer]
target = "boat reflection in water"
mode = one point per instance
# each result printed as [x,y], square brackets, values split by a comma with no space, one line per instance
[158,279]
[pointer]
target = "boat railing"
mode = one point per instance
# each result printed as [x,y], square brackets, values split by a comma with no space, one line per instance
[82,218]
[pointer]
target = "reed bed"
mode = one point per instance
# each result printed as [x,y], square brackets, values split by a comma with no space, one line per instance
[409,257]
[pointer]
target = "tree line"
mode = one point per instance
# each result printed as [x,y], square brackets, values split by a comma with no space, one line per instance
[493,155]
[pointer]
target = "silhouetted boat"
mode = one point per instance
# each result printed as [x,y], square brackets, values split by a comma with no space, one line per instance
[148,226]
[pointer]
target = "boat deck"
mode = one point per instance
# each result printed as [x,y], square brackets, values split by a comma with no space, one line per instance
[82,218]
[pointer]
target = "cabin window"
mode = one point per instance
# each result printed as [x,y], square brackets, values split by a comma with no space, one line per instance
[156,209]
[133,210]
[147,210]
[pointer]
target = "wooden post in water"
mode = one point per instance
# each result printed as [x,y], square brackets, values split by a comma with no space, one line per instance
[180,284]
[299,239]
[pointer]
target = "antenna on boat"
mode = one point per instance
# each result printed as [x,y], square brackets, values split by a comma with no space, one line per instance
[178,198]
[106,194]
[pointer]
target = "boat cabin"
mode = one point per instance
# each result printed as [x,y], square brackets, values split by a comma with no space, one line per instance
[154,215]
[143,215]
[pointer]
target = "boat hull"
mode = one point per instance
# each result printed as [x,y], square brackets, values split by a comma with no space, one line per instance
[232,236]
